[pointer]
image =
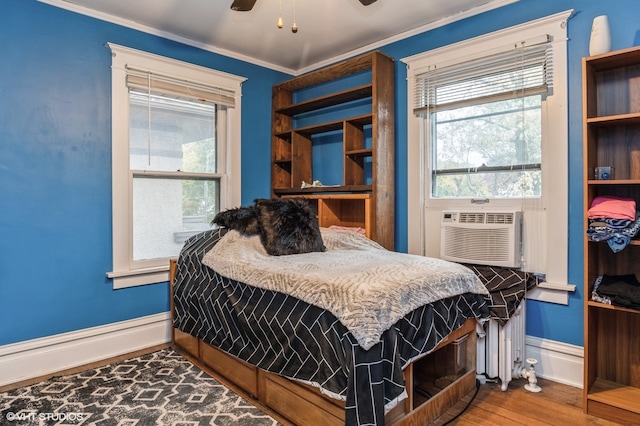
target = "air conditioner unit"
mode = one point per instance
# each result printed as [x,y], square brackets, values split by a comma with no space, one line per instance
[482,237]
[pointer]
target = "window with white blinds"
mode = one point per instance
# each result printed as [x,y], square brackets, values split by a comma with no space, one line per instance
[488,130]
[484,118]
[521,69]
[176,158]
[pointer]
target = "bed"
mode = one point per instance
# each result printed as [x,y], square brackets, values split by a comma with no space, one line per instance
[304,358]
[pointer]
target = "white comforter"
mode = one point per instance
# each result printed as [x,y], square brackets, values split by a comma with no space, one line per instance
[367,287]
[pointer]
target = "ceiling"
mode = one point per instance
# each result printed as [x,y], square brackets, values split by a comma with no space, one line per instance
[328,30]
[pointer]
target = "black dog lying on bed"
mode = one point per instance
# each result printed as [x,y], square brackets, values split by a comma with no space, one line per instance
[286,226]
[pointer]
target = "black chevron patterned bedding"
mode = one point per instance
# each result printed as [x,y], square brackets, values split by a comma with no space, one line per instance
[284,335]
[507,288]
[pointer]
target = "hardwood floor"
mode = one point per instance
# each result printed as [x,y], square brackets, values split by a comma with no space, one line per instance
[556,404]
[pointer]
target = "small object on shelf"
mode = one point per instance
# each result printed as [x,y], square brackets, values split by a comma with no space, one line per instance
[306,185]
[316,184]
[600,41]
[604,173]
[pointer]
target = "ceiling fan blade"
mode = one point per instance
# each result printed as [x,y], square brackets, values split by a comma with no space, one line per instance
[367,2]
[243,5]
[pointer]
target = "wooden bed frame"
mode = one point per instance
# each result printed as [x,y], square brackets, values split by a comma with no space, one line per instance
[295,403]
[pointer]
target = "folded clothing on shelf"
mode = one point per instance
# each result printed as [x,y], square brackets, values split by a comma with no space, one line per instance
[617,237]
[620,290]
[612,207]
[614,220]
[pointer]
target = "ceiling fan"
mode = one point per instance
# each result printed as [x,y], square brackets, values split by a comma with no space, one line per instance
[247,5]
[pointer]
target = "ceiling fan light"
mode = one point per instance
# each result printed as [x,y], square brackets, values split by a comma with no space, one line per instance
[294,27]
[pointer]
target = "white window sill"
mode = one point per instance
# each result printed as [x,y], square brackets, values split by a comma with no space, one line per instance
[124,279]
[552,293]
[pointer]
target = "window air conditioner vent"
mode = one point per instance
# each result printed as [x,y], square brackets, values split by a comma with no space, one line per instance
[465,217]
[482,237]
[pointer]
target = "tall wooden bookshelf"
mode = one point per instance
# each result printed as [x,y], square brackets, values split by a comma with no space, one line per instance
[365,197]
[611,129]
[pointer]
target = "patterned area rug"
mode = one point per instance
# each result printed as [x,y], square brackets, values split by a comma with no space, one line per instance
[160,388]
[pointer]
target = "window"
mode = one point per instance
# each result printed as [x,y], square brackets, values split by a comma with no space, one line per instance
[489,150]
[175,159]
[485,122]
[489,131]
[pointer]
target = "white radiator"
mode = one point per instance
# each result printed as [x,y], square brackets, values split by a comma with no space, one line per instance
[501,352]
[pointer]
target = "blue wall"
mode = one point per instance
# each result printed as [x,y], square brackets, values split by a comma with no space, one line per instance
[55,167]
[55,157]
[544,320]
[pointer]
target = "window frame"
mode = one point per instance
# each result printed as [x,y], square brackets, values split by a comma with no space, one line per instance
[126,272]
[552,207]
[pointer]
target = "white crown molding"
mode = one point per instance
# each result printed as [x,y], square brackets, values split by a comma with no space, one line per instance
[419,30]
[210,48]
[164,34]
[39,357]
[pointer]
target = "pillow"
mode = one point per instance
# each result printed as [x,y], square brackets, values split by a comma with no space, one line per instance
[242,219]
[288,226]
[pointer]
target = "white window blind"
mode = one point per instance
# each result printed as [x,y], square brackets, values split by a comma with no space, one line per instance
[523,69]
[169,86]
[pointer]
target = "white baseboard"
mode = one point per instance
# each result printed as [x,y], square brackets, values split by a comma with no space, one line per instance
[557,361]
[39,357]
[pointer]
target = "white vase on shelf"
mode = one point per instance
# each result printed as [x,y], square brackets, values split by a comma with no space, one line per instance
[600,41]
